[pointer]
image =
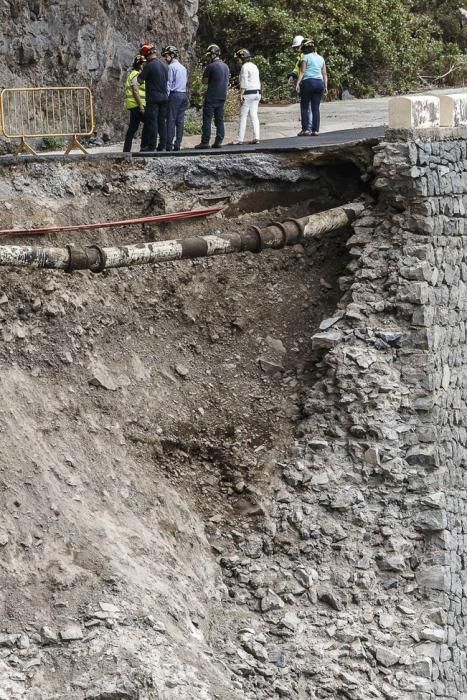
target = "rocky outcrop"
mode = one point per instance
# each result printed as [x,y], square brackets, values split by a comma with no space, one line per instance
[88,43]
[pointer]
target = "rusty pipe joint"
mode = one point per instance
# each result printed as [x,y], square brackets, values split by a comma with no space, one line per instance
[90,258]
[276,235]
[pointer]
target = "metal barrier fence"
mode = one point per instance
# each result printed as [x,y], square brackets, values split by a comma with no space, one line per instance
[46,113]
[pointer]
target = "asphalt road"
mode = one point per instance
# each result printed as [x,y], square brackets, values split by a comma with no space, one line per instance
[287,144]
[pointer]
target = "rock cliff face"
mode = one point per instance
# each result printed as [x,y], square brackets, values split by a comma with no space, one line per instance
[90,42]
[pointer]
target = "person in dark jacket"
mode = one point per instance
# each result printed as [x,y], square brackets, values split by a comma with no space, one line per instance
[216,77]
[155,75]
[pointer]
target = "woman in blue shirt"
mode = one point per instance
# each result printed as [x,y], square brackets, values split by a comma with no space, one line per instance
[312,84]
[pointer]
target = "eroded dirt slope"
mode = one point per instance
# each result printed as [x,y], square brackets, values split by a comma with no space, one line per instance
[145,415]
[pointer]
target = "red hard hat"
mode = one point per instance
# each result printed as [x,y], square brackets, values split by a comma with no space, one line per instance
[146,48]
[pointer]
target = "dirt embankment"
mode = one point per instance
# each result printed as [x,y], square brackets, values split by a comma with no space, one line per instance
[145,414]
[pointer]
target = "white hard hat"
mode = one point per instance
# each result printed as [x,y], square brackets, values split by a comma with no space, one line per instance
[297,42]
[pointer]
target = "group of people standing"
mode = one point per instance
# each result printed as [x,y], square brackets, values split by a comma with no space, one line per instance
[156,95]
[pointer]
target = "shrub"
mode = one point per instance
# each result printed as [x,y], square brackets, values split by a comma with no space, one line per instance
[192,126]
[369,45]
[197,87]
[52,143]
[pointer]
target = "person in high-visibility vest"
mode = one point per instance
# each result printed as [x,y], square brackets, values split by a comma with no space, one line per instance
[135,101]
[297,49]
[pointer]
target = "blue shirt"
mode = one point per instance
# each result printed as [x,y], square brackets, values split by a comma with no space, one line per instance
[313,66]
[177,77]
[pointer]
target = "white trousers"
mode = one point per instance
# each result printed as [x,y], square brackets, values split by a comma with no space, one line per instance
[249,106]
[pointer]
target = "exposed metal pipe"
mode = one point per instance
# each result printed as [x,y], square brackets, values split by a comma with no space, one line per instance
[254,240]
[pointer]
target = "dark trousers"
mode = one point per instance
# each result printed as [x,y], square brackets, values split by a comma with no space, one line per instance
[136,117]
[311,92]
[213,108]
[155,122]
[178,103]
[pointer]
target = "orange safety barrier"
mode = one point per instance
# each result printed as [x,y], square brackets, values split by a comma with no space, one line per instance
[46,112]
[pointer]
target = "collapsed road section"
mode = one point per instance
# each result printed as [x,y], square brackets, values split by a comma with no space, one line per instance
[138,408]
[241,477]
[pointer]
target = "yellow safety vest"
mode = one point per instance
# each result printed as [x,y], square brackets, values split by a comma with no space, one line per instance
[296,68]
[130,102]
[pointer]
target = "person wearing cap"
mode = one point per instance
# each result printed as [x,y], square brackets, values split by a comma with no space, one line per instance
[155,75]
[216,76]
[293,75]
[178,99]
[135,101]
[297,49]
[312,84]
[250,95]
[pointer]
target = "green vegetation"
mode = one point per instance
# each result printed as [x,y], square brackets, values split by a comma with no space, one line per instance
[370,45]
[192,125]
[232,106]
[52,143]
[197,88]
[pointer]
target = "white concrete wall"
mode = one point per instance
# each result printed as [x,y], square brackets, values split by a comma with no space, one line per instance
[428,111]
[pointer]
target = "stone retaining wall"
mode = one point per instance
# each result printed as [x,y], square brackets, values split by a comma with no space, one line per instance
[397,384]
[424,194]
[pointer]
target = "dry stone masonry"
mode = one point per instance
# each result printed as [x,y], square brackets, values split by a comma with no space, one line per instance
[423,187]
[395,372]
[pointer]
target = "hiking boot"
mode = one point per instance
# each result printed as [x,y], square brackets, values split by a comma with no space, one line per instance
[202,145]
[217,144]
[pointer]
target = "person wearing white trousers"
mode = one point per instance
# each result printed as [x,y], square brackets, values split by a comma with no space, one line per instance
[250,96]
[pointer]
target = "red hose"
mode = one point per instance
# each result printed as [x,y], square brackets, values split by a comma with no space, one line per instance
[160,218]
